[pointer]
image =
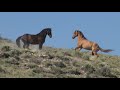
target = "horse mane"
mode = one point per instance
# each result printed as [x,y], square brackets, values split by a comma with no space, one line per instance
[82,35]
[43,31]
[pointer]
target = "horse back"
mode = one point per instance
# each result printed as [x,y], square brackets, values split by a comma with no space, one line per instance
[32,39]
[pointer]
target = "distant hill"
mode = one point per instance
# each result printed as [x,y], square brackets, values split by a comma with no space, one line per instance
[54,63]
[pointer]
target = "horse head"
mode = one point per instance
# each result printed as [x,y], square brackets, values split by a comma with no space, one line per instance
[46,31]
[49,32]
[75,34]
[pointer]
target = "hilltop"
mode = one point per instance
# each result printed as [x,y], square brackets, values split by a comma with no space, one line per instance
[54,63]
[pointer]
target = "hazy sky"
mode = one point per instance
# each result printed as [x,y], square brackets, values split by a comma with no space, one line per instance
[100,27]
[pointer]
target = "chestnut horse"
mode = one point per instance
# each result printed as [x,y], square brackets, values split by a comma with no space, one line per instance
[86,44]
[39,38]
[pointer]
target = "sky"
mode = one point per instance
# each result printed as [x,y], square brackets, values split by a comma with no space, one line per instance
[100,27]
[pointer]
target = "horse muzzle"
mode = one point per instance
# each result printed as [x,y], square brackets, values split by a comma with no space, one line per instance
[50,36]
[73,37]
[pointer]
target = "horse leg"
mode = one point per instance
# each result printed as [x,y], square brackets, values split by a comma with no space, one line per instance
[24,43]
[27,45]
[40,46]
[76,48]
[79,47]
[95,49]
[24,46]
[94,52]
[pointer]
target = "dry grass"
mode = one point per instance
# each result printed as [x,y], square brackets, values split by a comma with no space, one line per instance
[54,63]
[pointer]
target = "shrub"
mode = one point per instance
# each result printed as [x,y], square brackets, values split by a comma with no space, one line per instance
[106,72]
[6,48]
[38,70]
[2,70]
[89,68]
[60,64]
[5,55]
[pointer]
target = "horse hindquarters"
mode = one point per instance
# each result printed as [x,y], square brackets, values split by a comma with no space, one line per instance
[95,49]
[18,41]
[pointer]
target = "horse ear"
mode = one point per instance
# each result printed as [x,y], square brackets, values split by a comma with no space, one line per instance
[77,31]
[80,32]
[49,30]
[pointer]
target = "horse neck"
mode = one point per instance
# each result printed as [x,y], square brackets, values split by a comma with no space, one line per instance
[80,38]
[42,34]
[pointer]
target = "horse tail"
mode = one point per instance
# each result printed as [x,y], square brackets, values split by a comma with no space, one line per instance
[105,50]
[18,41]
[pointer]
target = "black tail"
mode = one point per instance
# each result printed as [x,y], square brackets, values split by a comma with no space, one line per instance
[105,50]
[18,41]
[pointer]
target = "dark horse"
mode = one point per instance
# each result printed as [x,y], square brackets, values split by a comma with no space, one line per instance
[39,38]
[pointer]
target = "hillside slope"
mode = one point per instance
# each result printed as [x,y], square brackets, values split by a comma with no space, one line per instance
[54,63]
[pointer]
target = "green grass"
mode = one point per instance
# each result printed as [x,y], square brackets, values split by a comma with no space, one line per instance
[54,63]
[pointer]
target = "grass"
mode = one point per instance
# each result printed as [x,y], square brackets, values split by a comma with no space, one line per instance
[54,63]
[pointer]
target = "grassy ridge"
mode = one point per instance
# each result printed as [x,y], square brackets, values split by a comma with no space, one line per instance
[54,63]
